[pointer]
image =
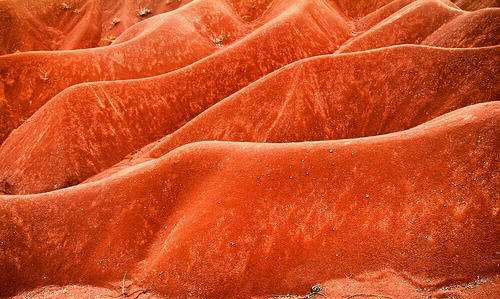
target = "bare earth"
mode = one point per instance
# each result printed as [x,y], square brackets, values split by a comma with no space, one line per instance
[249,149]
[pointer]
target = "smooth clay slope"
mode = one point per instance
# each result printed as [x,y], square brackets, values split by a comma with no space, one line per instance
[236,220]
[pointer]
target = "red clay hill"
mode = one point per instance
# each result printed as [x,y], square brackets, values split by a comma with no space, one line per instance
[249,149]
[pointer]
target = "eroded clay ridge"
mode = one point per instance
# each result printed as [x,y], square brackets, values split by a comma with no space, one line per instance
[170,100]
[71,24]
[329,97]
[250,149]
[184,225]
[173,40]
[152,47]
[158,45]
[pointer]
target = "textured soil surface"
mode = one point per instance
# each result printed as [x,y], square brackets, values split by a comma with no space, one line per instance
[249,149]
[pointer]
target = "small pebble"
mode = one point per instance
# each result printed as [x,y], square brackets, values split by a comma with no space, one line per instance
[316,289]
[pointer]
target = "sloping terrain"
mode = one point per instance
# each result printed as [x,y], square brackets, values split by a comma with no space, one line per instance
[184,225]
[475,29]
[249,149]
[71,24]
[166,42]
[326,109]
[169,100]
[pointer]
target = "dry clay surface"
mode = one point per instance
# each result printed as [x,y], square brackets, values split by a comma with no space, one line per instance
[249,149]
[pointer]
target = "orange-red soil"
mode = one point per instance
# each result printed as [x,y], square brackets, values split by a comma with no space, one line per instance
[249,149]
